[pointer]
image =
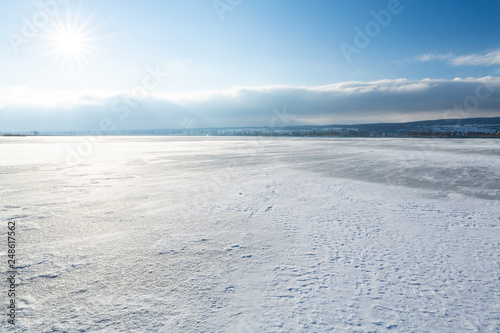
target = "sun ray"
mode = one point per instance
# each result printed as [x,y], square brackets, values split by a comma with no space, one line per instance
[70,42]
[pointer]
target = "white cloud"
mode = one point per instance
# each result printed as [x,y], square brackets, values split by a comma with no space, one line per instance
[478,59]
[344,102]
[486,59]
[433,57]
[21,96]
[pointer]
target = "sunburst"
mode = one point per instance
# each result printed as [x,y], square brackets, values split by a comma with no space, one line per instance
[70,43]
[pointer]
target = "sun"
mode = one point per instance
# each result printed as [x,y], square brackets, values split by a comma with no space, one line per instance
[70,43]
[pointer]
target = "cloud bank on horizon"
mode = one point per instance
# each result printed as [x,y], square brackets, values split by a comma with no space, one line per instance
[352,102]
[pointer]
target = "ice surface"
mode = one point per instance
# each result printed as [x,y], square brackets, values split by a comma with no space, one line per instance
[171,234]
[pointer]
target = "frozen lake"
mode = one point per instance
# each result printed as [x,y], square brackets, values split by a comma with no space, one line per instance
[193,234]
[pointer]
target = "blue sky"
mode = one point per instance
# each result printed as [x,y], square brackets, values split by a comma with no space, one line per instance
[232,62]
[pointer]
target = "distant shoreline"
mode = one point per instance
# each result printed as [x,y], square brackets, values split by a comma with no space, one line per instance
[266,136]
[446,128]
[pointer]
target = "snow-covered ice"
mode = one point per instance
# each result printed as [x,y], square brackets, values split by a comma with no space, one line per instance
[193,234]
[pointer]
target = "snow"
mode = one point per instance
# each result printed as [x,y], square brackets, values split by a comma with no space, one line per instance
[170,234]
